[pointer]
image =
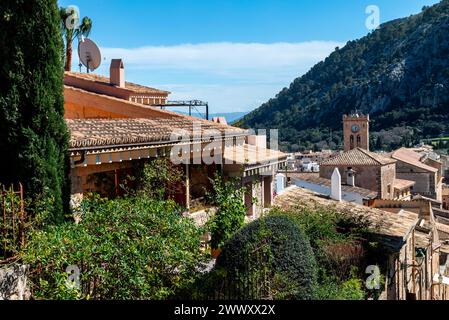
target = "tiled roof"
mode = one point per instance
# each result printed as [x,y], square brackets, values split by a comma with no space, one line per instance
[88,133]
[391,228]
[316,179]
[358,157]
[150,124]
[413,158]
[401,184]
[251,155]
[136,88]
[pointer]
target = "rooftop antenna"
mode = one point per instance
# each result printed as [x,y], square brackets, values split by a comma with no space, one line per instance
[89,54]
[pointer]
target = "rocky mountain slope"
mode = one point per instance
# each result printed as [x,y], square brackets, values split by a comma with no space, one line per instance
[399,74]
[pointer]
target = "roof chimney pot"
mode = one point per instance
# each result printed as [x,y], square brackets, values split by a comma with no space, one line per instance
[336,185]
[117,73]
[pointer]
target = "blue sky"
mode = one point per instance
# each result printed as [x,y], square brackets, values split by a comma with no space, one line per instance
[235,54]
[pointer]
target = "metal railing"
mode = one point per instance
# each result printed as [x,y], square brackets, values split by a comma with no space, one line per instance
[12,223]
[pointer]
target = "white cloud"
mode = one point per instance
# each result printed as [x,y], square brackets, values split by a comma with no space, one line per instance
[231,76]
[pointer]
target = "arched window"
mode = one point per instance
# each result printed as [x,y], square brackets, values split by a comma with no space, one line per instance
[351,141]
[359,141]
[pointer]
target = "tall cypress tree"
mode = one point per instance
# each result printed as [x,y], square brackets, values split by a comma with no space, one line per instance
[33,133]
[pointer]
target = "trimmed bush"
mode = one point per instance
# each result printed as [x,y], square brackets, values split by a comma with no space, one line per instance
[270,258]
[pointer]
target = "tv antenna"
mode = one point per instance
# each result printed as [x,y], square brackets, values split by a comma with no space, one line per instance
[89,54]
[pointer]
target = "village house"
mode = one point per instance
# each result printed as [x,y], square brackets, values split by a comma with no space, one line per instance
[308,161]
[364,169]
[115,125]
[424,171]
[415,266]
[350,193]
[368,170]
[404,174]
[445,161]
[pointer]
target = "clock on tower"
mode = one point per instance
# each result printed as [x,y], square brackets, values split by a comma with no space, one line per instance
[355,128]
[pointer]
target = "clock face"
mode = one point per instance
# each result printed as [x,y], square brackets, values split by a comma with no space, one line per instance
[355,128]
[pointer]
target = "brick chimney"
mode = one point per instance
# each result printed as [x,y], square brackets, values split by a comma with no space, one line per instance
[350,178]
[117,73]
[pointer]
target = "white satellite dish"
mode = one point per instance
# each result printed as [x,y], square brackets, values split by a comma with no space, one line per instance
[89,53]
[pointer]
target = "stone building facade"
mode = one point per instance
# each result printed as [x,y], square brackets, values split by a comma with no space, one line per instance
[356,131]
[400,175]
[425,172]
[446,197]
[115,128]
[368,170]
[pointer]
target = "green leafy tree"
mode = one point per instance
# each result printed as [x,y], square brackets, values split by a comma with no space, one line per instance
[33,133]
[131,248]
[343,245]
[159,178]
[70,32]
[227,196]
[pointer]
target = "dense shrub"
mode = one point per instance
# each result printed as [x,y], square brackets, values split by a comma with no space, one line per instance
[342,245]
[227,196]
[267,259]
[132,248]
[351,289]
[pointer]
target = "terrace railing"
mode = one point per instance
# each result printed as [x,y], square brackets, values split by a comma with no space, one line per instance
[12,223]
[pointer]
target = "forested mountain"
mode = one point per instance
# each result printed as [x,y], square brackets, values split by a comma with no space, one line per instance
[399,74]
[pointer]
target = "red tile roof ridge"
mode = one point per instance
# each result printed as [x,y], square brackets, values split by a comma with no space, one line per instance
[154,109]
[413,158]
[130,86]
[358,156]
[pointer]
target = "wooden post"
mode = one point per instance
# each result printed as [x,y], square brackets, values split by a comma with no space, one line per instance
[12,215]
[414,262]
[22,217]
[188,187]
[116,182]
[4,229]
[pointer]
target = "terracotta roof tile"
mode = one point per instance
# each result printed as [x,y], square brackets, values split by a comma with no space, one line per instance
[391,228]
[413,158]
[401,184]
[316,179]
[358,157]
[88,133]
[136,88]
[252,155]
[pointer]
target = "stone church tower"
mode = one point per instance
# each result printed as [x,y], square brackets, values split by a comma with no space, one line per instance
[356,131]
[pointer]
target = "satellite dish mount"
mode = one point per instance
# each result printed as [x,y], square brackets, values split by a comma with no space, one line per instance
[89,54]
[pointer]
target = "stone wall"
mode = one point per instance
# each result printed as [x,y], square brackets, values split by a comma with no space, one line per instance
[388,175]
[367,177]
[13,283]
[425,181]
[446,202]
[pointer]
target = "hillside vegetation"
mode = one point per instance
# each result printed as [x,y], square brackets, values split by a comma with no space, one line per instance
[399,74]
